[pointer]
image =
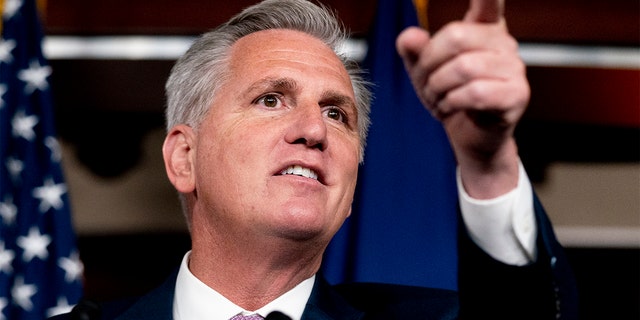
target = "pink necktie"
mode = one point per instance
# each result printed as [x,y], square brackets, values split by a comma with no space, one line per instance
[249,317]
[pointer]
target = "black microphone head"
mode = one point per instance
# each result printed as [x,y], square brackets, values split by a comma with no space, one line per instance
[86,310]
[277,315]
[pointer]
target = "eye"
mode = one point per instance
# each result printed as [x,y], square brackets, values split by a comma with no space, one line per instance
[269,101]
[336,114]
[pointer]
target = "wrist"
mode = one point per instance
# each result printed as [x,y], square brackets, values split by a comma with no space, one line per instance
[486,176]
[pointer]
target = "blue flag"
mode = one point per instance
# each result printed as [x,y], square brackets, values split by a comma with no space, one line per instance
[404,220]
[40,270]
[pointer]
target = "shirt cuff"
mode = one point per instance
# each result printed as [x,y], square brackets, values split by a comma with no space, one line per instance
[505,226]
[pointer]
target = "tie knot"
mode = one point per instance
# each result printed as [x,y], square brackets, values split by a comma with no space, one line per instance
[247,317]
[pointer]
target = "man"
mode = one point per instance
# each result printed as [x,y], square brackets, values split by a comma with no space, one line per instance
[266,128]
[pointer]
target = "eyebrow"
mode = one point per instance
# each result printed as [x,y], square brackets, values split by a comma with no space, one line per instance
[337,97]
[272,83]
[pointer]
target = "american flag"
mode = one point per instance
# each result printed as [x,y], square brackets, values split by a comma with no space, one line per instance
[40,269]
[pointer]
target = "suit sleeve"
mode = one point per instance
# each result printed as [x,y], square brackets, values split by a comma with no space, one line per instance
[544,289]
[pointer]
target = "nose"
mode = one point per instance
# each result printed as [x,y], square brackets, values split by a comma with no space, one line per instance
[308,127]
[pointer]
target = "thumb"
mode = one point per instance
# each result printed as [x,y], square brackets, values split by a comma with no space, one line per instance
[486,11]
[410,44]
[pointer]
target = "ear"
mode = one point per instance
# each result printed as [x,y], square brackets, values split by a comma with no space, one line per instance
[178,152]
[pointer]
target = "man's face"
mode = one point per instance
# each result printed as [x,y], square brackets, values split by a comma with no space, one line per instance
[277,154]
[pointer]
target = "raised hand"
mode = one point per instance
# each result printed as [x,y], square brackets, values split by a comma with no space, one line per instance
[469,76]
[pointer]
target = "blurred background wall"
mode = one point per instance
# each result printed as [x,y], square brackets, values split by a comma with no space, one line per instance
[580,138]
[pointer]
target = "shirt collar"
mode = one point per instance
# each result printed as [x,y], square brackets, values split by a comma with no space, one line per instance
[195,300]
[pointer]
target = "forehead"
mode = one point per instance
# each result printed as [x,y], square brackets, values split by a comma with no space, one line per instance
[276,51]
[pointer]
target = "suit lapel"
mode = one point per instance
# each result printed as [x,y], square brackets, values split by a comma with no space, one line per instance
[157,305]
[326,304]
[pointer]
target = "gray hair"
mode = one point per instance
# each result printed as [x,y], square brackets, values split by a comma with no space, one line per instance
[203,69]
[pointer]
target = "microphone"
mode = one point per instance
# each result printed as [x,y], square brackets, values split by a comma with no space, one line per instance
[277,315]
[86,310]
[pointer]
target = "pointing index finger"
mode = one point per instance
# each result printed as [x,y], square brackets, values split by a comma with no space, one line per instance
[487,11]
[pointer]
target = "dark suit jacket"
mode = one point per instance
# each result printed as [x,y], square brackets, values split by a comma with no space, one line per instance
[326,302]
[488,289]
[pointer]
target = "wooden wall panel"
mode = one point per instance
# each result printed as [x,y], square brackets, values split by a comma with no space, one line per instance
[567,21]
[169,16]
[597,96]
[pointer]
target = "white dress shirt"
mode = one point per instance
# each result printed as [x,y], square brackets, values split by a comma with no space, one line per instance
[504,227]
[194,300]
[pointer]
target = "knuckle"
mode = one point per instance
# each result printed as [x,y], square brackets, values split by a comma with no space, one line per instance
[480,93]
[521,96]
[456,34]
[521,68]
[511,44]
[467,66]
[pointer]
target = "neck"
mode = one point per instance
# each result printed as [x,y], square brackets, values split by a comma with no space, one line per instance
[252,272]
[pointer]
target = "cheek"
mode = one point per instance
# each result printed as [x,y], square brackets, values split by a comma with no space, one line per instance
[232,153]
[222,175]
[345,158]
[347,155]
[232,137]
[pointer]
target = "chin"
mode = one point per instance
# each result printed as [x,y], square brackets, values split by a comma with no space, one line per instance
[302,223]
[298,232]
[304,230]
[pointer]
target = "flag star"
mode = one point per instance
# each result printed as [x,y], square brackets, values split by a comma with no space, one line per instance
[15,167]
[6,46]
[50,195]
[62,307]
[23,125]
[6,259]
[54,146]
[34,245]
[35,76]
[22,293]
[10,8]
[8,211]
[72,267]
[3,304]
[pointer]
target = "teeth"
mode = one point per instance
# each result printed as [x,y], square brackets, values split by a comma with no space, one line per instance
[300,171]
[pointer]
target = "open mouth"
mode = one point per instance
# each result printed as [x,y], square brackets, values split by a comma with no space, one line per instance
[300,171]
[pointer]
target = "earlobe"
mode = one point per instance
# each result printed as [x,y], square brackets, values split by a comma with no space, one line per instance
[178,152]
